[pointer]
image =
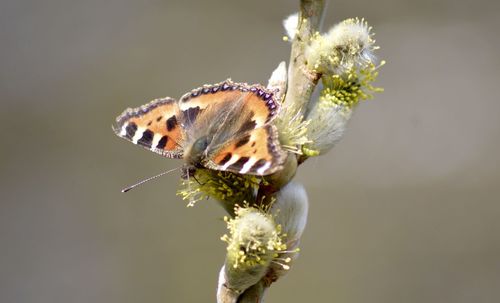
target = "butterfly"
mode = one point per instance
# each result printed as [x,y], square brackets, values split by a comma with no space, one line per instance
[226,126]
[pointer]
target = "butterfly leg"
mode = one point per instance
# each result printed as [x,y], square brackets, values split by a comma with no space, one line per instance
[189,171]
[194,177]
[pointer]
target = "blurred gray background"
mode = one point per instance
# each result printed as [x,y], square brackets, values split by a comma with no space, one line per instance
[405,209]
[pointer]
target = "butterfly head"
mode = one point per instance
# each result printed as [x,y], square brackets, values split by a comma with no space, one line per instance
[187,172]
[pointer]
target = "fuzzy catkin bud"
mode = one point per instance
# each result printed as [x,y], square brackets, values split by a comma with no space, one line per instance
[226,187]
[290,24]
[290,211]
[328,123]
[253,242]
[347,45]
[329,114]
[277,81]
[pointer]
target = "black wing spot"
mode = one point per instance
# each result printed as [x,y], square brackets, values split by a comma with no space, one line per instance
[130,130]
[258,164]
[224,160]
[171,123]
[162,143]
[159,118]
[247,126]
[243,141]
[190,114]
[146,139]
[238,165]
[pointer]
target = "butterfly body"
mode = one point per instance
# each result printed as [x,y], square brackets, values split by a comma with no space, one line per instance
[226,126]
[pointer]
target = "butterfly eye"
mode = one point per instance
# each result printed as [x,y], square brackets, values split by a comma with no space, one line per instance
[201,144]
[197,152]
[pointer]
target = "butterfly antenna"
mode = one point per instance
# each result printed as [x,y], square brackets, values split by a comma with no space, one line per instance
[149,179]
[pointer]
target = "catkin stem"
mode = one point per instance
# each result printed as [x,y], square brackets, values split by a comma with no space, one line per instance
[301,80]
[301,84]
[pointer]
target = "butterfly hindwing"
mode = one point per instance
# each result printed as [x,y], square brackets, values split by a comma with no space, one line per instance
[256,152]
[154,126]
[235,117]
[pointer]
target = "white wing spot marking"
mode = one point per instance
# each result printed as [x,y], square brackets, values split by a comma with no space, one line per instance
[156,139]
[248,165]
[233,159]
[138,134]
[261,170]
[123,131]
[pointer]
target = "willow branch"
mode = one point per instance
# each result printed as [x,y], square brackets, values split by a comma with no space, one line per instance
[301,80]
[300,86]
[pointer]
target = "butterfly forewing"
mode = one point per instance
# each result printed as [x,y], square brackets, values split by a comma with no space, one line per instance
[226,94]
[154,126]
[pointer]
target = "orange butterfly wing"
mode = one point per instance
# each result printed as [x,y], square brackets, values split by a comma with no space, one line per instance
[256,152]
[253,97]
[237,116]
[153,126]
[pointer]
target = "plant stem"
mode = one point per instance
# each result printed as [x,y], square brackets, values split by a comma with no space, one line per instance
[301,80]
[301,83]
